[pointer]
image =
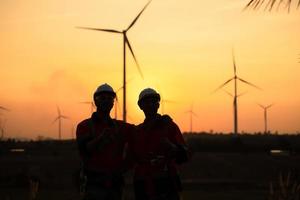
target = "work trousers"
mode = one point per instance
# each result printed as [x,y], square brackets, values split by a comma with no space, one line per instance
[102,193]
[156,189]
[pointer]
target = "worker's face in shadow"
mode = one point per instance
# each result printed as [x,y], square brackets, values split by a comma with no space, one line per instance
[149,105]
[104,101]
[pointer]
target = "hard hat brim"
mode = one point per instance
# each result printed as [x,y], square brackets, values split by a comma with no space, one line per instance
[105,92]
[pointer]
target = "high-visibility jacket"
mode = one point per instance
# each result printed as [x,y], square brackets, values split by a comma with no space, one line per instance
[154,160]
[110,158]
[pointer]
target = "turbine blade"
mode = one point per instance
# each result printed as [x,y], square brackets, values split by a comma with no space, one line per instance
[234,65]
[223,85]
[248,83]
[241,94]
[64,117]
[168,101]
[100,29]
[137,64]
[120,88]
[3,108]
[193,113]
[228,93]
[269,106]
[58,110]
[55,120]
[129,80]
[86,102]
[136,18]
[261,105]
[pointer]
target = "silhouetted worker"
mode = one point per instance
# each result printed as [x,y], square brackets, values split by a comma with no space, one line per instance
[159,148]
[102,143]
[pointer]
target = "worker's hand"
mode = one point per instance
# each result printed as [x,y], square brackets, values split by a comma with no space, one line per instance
[154,159]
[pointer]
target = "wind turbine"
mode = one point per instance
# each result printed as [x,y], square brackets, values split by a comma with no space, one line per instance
[265,115]
[163,101]
[192,113]
[92,105]
[235,78]
[59,118]
[2,122]
[2,128]
[299,54]
[125,42]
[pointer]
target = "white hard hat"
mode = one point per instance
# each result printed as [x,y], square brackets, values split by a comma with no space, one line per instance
[148,92]
[104,88]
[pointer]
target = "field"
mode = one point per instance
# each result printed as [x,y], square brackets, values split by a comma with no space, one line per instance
[222,167]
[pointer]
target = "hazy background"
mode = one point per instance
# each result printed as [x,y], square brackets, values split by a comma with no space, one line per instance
[183,48]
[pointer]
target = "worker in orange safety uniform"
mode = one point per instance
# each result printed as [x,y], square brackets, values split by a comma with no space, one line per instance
[160,148]
[103,143]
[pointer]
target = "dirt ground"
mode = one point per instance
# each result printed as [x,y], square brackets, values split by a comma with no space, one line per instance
[208,176]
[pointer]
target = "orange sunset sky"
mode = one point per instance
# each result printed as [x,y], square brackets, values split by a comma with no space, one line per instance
[183,48]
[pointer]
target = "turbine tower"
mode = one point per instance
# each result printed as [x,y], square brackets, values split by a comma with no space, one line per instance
[235,78]
[2,122]
[59,118]
[125,43]
[266,116]
[2,128]
[192,113]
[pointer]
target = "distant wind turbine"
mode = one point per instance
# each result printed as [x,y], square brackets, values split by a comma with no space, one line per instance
[2,128]
[235,78]
[265,115]
[59,118]
[92,105]
[2,122]
[163,101]
[125,42]
[192,113]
